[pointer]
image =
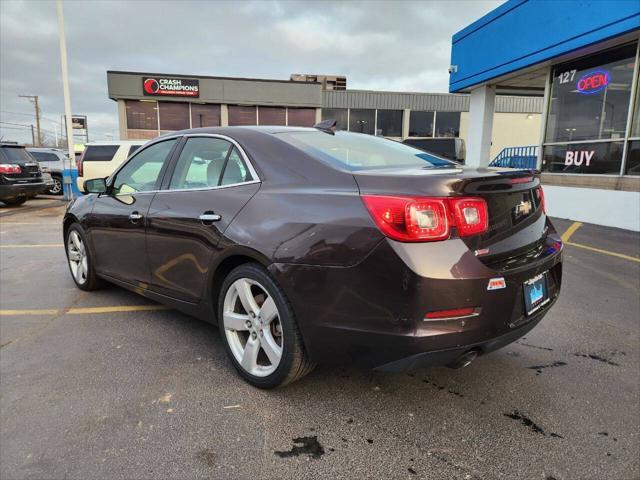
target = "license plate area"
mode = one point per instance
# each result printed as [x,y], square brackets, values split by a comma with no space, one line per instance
[536,293]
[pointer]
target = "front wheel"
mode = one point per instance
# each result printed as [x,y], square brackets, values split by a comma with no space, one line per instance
[80,259]
[259,330]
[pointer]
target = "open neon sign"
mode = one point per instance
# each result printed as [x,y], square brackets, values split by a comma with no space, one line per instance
[593,82]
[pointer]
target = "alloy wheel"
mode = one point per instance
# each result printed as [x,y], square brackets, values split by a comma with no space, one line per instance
[252,327]
[56,188]
[77,254]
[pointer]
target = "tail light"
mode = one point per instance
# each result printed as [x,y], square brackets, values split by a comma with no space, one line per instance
[427,219]
[541,199]
[10,168]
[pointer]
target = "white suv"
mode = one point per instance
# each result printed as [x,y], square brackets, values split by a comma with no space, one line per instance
[100,159]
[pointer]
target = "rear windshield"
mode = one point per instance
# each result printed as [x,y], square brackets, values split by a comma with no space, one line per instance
[16,155]
[100,153]
[45,156]
[354,151]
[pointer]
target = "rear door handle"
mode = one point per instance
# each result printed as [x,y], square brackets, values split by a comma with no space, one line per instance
[134,217]
[209,217]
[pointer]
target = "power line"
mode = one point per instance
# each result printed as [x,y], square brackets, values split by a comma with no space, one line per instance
[25,126]
[30,115]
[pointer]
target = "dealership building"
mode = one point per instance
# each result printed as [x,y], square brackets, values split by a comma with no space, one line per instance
[582,57]
[150,104]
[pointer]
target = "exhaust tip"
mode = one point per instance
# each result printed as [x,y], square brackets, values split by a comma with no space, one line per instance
[464,360]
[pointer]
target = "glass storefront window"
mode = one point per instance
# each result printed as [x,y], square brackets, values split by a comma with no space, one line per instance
[390,123]
[173,116]
[142,115]
[590,158]
[205,115]
[635,123]
[337,114]
[420,124]
[362,121]
[633,158]
[241,115]
[447,124]
[590,97]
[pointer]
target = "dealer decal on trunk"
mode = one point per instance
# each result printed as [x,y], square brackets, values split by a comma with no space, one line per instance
[496,283]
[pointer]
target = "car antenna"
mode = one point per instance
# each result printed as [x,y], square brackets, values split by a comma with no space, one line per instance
[327,126]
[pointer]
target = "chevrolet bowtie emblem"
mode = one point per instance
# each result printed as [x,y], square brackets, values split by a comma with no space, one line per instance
[523,208]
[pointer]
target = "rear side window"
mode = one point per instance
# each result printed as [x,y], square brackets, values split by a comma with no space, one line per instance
[236,170]
[354,151]
[16,155]
[45,157]
[100,153]
[132,149]
[200,164]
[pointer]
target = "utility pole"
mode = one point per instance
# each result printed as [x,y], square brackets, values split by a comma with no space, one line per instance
[67,179]
[33,136]
[34,99]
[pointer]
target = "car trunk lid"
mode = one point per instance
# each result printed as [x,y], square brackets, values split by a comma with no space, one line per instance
[517,223]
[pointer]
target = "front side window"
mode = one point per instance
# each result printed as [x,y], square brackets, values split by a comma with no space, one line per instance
[351,151]
[590,97]
[141,173]
[200,163]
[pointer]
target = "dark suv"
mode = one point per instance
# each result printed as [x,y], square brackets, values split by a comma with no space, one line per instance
[20,175]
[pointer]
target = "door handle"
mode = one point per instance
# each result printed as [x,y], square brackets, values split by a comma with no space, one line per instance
[209,217]
[134,217]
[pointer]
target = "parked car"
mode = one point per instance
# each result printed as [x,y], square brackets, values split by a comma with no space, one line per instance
[452,148]
[308,246]
[20,175]
[55,160]
[100,159]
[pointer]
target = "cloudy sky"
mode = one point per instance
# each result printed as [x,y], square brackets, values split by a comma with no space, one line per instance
[402,46]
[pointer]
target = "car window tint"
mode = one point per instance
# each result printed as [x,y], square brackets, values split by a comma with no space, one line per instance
[100,153]
[355,151]
[236,170]
[132,149]
[200,163]
[140,173]
[45,157]
[17,155]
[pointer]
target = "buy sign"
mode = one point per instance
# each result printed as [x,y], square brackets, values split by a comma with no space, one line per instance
[577,158]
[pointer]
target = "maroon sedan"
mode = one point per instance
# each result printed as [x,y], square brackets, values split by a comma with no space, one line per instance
[310,246]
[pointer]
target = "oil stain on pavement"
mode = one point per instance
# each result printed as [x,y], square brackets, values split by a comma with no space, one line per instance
[304,446]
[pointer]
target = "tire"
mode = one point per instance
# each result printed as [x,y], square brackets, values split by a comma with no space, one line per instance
[252,340]
[14,202]
[80,259]
[56,189]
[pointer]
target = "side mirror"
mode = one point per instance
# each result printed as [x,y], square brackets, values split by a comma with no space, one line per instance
[95,185]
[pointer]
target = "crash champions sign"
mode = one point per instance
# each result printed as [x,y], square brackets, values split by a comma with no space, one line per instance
[171,87]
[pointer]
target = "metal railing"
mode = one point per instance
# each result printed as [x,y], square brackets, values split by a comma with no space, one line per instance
[517,157]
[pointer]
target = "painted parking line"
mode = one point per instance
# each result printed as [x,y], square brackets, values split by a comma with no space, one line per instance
[42,245]
[570,231]
[84,310]
[575,226]
[606,252]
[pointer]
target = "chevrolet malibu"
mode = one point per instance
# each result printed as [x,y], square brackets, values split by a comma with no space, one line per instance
[310,245]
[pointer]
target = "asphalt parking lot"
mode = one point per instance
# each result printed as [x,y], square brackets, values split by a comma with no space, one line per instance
[107,385]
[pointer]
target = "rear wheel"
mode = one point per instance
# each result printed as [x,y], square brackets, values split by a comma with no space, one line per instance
[56,188]
[80,259]
[259,329]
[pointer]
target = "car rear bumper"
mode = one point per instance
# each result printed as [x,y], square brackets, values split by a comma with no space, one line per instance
[15,190]
[373,314]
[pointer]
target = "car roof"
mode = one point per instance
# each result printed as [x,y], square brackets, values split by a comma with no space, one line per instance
[267,129]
